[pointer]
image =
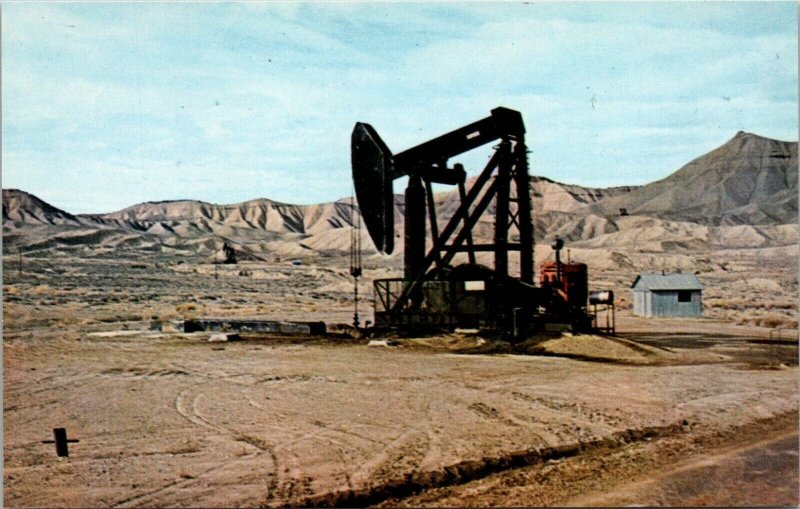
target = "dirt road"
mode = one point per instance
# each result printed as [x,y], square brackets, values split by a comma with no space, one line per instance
[764,474]
[708,468]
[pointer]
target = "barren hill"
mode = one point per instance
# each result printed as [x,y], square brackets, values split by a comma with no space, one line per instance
[260,214]
[748,180]
[21,208]
[742,194]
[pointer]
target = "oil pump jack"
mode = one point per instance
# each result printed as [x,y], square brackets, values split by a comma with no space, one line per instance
[433,292]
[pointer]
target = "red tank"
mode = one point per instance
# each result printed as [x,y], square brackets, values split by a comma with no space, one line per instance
[574,287]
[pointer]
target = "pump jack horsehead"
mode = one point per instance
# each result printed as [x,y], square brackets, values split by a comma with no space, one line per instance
[432,292]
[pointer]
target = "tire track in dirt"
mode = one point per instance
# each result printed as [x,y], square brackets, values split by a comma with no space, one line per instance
[469,470]
[57,381]
[580,414]
[150,498]
[140,497]
[412,449]
[339,448]
[434,453]
[383,456]
[142,374]
[291,485]
[186,405]
[190,412]
[285,482]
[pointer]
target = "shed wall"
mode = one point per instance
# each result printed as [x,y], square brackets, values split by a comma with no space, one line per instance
[640,300]
[665,303]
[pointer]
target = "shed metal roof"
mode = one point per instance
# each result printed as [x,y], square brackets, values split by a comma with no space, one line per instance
[646,281]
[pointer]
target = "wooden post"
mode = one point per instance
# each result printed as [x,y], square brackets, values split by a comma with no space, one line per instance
[61,441]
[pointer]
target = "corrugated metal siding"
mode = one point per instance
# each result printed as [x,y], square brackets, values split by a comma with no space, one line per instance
[639,303]
[665,303]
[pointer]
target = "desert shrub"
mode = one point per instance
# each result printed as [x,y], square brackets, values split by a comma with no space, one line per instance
[774,320]
[70,320]
[748,304]
[41,290]
[762,319]
[166,316]
[188,447]
[184,474]
[119,318]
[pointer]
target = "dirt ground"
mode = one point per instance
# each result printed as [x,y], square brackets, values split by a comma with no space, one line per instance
[169,419]
[717,469]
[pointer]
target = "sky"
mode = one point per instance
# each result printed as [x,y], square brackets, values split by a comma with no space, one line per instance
[105,105]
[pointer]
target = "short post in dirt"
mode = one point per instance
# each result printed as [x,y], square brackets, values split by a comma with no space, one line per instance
[61,441]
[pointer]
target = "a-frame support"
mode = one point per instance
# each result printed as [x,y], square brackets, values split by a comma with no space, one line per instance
[510,168]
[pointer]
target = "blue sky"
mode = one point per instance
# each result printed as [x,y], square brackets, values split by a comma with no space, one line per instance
[110,104]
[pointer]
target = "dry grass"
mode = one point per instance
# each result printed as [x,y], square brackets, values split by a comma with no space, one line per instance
[785,319]
[186,448]
[41,290]
[74,319]
[741,304]
[760,308]
[770,320]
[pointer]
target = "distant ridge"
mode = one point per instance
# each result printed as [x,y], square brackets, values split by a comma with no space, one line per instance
[260,214]
[748,180]
[742,194]
[23,208]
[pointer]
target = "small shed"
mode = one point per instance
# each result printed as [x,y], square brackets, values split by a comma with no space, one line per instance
[667,295]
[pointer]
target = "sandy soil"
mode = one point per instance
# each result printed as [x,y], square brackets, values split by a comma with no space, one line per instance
[714,468]
[754,475]
[169,419]
[174,420]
